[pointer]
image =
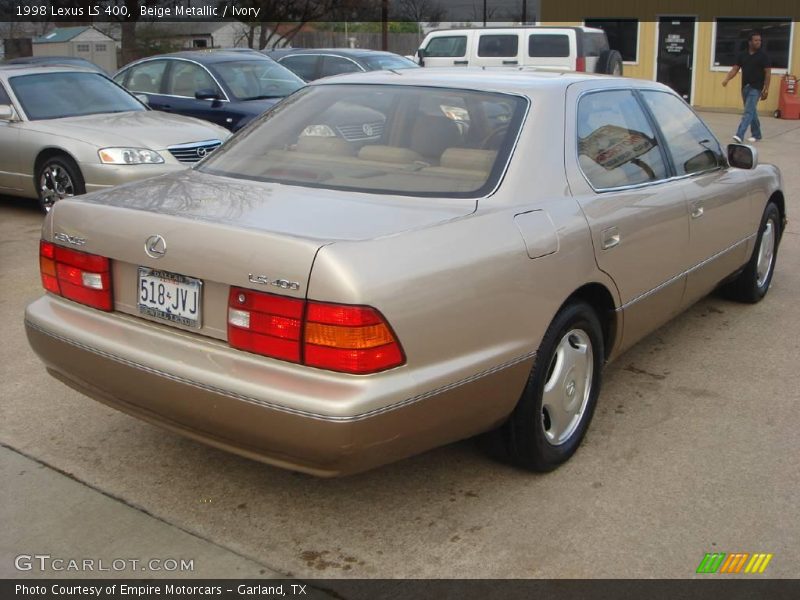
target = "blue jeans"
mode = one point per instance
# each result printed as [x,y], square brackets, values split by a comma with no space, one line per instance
[750,97]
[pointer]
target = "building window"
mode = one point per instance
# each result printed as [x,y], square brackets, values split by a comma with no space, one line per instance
[83,48]
[731,38]
[622,34]
[99,47]
[199,43]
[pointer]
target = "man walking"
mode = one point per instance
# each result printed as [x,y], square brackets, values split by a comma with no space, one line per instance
[754,64]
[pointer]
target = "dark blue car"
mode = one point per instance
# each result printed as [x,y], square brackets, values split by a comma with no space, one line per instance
[226,88]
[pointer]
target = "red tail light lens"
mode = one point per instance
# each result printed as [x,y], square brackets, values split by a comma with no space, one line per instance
[265,324]
[580,64]
[78,276]
[338,337]
[352,339]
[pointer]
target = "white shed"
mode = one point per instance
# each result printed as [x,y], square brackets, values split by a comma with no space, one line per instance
[79,42]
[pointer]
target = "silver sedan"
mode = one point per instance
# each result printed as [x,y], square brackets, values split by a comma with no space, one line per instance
[67,131]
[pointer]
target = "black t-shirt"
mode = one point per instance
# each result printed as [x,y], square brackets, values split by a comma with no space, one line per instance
[753,66]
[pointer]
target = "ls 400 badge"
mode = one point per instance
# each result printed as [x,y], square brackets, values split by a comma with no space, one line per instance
[284,284]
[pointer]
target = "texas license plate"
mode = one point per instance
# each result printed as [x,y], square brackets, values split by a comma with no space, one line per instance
[170,296]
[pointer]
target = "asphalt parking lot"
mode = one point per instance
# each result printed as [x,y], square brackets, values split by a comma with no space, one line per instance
[694,448]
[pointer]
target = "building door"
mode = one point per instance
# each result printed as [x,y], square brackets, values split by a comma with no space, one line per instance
[676,54]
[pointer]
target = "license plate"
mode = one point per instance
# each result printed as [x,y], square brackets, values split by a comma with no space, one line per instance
[170,296]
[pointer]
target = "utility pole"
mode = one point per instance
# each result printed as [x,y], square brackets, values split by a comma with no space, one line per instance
[384,25]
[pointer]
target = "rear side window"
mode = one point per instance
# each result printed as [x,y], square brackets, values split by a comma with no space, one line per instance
[692,146]
[447,46]
[336,65]
[548,45]
[616,145]
[498,45]
[146,77]
[304,66]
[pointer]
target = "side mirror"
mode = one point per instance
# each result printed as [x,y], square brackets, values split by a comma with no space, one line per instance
[206,94]
[742,157]
[7,113]
[143,98]
[421,55]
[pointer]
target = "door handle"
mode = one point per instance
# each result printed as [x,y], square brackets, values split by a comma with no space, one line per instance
[610,238]
[460,62]
[697,211]
[510,62]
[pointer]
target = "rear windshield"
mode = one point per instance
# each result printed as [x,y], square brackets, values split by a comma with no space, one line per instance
[407,140]
[65,94]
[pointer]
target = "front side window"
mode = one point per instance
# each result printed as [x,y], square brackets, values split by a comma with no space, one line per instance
[257,79]
[622,34]
[616,145]
[58,95]
[4,99]
[405,140]
[146,77]
[732,34]
[451,46]
[548,45]
[498,45]
[188,78]
[692,146]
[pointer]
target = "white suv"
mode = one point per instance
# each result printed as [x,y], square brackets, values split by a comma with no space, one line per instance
[559,48]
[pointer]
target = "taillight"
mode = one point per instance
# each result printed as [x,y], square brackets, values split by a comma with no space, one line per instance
[78,276]
[265,324]
[338,337]
[580,64]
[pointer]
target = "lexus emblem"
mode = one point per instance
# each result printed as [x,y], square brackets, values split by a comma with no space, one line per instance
[201,152]
[155,246]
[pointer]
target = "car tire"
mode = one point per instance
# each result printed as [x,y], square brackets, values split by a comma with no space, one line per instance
[752,284]
[777,114]
[610,63]
[558,401]
[56,178]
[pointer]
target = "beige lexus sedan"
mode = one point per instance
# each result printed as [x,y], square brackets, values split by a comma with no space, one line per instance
[65,131]
[329,307]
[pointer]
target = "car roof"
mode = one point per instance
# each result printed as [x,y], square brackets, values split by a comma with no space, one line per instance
[515,80]
[210,56]
[354,52]
[31,69]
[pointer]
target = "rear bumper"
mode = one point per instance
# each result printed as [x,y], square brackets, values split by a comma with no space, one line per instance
[188,394]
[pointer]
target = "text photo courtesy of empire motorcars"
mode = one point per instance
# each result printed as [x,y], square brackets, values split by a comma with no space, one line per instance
[409,299]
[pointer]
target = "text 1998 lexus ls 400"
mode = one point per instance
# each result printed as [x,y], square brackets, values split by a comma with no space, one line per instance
[329,306]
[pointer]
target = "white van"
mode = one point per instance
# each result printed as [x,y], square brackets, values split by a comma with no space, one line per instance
[559,48]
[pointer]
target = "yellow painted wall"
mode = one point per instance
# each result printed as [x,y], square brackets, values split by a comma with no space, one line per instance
[708,91]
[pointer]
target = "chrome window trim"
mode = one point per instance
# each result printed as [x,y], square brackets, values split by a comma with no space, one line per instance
[644,184]
[167,59]
[685,273]
[321,54]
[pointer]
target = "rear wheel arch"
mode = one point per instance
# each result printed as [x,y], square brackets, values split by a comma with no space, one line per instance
[778,200]
[601,300]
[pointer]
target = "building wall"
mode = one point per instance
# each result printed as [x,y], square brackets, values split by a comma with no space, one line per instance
[707,89]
